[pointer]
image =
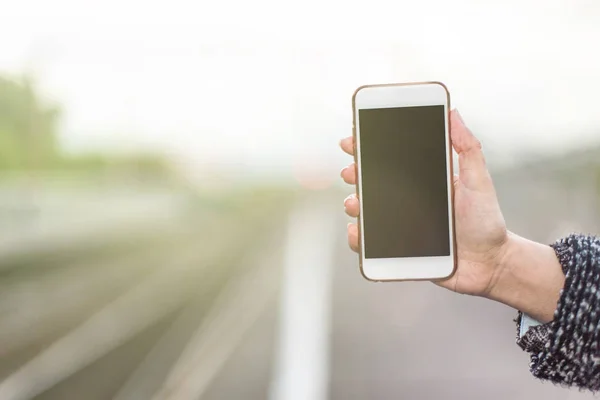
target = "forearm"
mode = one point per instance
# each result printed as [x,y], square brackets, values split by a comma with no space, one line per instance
[565,350]
[529,278]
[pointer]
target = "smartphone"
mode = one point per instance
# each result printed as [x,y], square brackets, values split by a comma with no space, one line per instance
[403,154]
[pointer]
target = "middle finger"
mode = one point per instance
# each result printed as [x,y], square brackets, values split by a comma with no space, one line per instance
[347,144]
[349,174]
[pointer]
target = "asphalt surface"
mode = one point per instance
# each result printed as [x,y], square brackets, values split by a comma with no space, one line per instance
[386,341]
[400,341]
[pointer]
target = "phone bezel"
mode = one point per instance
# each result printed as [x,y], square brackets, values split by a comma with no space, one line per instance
[393,96]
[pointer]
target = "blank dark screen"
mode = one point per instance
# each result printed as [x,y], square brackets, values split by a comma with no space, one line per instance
[404,182]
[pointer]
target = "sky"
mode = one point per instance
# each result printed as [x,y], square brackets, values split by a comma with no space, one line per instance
[266,85]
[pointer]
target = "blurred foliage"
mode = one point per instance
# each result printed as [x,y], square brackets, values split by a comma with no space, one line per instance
[139,165]
[240,198]
[28,139]
[27,127]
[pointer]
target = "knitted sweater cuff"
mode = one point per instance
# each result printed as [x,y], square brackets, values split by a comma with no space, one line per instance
[567,350]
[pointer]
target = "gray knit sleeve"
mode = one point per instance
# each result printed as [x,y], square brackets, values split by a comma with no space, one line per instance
[567,349]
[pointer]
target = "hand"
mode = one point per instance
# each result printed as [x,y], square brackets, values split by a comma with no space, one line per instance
[481,235]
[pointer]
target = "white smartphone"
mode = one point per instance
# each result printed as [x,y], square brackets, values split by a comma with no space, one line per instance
[403,154]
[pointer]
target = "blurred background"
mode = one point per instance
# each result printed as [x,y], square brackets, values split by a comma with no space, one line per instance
[171,219]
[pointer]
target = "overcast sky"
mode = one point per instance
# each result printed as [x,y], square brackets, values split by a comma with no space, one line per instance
[268,83]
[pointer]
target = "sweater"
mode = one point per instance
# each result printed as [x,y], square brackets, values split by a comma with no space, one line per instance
[566,350]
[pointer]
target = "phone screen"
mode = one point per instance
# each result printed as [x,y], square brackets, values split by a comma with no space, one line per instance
[404,182]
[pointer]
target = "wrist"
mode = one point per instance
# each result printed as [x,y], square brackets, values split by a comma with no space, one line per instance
[528,277]
[501,265]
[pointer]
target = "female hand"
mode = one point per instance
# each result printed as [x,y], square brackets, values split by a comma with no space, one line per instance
[481,233]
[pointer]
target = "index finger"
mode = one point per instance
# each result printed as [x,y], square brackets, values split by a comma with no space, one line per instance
[347,144]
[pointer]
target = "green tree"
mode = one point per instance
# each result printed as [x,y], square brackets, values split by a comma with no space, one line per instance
[27,127]
[28,139]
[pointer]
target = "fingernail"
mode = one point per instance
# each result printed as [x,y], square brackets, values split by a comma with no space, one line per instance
[348,226]
[342,171]
[348,198]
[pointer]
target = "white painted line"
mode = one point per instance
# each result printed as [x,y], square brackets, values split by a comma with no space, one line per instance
[302,359]
[63,298]
[104,331]
[236,310]
[150,373]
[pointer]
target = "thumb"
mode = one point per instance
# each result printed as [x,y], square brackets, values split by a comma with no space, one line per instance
[472,168]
